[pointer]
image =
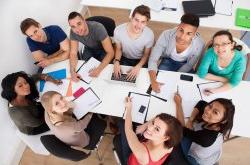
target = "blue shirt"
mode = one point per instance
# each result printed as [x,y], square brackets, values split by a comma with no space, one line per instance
[55,35]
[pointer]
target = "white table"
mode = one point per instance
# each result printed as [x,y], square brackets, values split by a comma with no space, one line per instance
[216,21]
[113,95]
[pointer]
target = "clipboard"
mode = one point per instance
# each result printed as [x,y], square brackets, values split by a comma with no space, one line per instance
[139,111]
[85,103]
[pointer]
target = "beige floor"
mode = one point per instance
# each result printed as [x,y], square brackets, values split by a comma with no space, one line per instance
[235,152]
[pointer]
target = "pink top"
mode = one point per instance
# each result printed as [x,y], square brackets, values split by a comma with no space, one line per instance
[133,161]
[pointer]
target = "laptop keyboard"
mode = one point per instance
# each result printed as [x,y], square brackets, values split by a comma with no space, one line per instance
[122,78]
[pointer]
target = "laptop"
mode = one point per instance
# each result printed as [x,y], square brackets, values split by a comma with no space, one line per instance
[242,17]
[201,8]
[122,80]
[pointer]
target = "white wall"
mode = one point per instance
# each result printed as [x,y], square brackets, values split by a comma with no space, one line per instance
[15,55]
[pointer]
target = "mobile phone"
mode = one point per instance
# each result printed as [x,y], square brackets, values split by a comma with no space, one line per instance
[186,77]
[142,109]
[79,92]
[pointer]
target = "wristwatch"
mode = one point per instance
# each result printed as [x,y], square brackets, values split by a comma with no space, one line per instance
[116,60]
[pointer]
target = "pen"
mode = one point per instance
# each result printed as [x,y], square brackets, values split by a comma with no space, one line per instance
[177,89]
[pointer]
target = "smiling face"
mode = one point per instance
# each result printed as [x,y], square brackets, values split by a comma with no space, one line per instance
[78,26]
[22,87]
[222,45]
[36,33]
[59,104]
[138,23]
[156,130]
[185,34]
[213,113]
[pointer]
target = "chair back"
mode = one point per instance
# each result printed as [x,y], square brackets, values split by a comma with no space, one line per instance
[60,149]
[107,22]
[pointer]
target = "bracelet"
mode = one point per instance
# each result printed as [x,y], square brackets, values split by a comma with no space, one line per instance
[116,60]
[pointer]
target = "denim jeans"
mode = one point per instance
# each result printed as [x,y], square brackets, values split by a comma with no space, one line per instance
[98,54]
[170,64]
[185,145]
[130,62]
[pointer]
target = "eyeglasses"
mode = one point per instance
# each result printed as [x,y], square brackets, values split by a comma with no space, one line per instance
[221,45]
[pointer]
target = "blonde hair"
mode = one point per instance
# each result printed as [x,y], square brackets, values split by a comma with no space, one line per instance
[46,100]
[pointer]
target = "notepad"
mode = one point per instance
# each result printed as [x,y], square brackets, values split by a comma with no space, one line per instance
[85,103]
[224,7]
[86,67]
[62,88]
[243,17]
[140,103]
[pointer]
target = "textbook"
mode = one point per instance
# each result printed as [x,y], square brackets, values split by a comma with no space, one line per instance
[242,17]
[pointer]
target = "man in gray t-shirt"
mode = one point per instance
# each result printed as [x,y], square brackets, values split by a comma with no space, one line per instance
[134,41]
[95,39]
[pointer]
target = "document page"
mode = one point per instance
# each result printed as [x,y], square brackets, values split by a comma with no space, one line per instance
[168,88]
[224,7]
[85,103]
[190,97]
[211,97]
[140,103]
[89,65]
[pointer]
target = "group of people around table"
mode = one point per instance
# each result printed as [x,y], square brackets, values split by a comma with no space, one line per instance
[198,141]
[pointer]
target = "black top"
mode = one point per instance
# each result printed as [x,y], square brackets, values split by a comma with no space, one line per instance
[204,137]
[29,119]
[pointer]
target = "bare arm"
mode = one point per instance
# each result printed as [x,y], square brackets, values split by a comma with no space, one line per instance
[118,55]
[106,43]
[133,72]
[135,145]
[179,110]
[154,84]
[60,55]
[73,59]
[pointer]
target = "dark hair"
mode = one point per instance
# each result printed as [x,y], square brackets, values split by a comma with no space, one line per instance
[229,35]
[8,86]
[174,130]
[28,22]
[190,19]
[226,124]
[74,14]
[143,10]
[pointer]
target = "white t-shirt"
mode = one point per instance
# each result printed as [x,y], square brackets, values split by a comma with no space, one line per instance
[181,57]
[133,48]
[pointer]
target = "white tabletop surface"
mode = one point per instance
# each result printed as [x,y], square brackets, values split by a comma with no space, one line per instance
[113,95]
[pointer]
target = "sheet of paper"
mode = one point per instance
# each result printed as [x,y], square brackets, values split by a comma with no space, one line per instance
[85,103]
[62,88]
[170,4]
[58,74]
[211,97]
[84,71]
[139,101]
[168,88]
[190,96]
[155,5]
[224,7]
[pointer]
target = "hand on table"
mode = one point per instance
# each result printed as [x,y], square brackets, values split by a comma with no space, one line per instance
[133,73]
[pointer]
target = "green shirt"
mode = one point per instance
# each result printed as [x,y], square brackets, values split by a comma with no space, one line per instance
[233,72]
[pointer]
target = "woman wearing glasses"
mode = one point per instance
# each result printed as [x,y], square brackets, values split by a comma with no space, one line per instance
[222,62]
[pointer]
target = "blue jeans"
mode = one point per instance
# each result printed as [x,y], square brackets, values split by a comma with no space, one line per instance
[185,145]
[170,64]
[98,54]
